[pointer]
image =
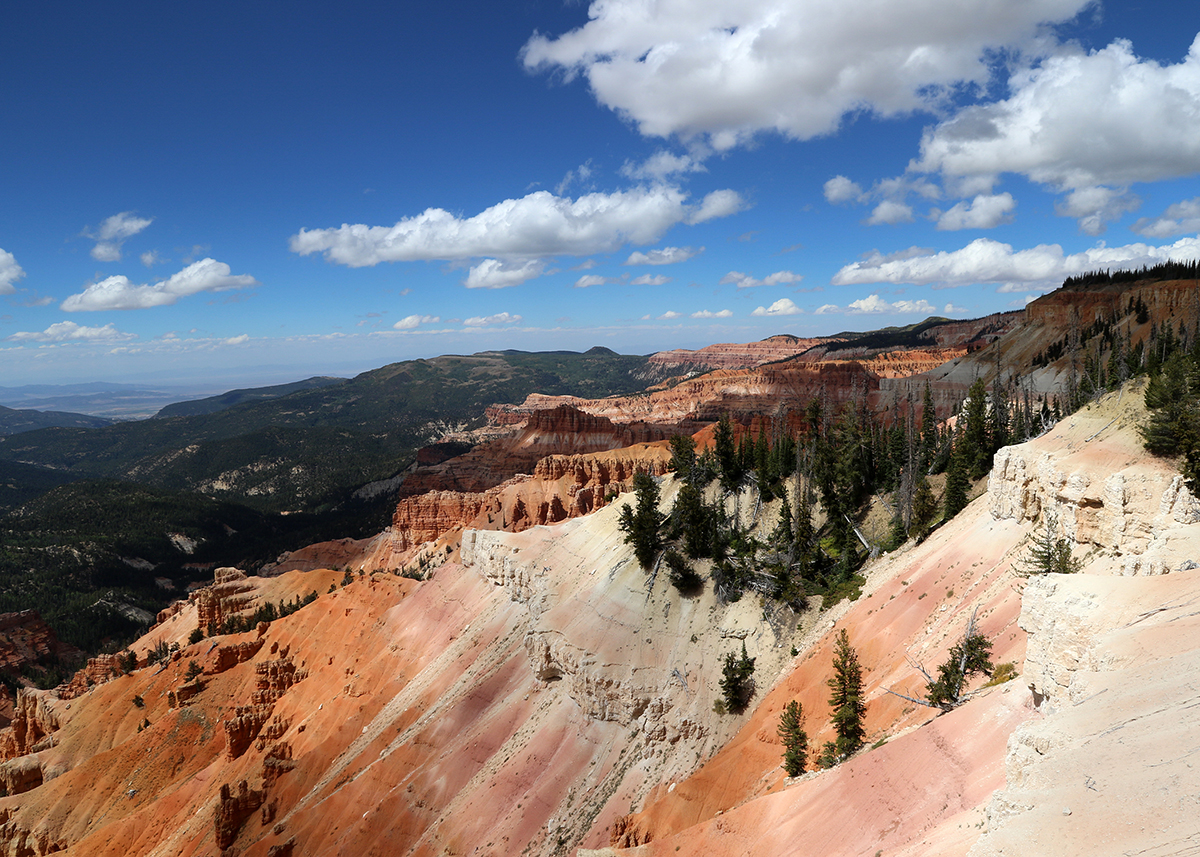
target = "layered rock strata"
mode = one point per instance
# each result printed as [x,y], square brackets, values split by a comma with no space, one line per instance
[728,355]
[96,671]
[229,595]
[560,487]
[556,430]
[25,639]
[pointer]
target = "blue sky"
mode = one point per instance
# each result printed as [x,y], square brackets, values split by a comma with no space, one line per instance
[241,193]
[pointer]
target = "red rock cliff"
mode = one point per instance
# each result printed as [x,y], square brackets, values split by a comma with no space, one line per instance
[560,487]
[557,429]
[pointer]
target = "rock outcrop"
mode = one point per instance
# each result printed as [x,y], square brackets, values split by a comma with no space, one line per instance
[560,487]
[25,639]
[27,644]
[1172,299]
[1100,493]
[33,725]
[96,671]
[1108,766]
[232,810]
[426,517]
[947,339]
[229,595]
[271,680]
[337,553]
[728,355]
[229,655]
[557,429]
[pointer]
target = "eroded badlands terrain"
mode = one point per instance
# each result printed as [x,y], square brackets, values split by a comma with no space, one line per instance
[539,694]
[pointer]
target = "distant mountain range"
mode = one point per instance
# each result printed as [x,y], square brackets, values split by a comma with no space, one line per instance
[306,445]
[99,404]
[14,421]
[212,404]
[99,399]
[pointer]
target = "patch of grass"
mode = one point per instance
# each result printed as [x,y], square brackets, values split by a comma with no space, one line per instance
[1004,672]
[851,589]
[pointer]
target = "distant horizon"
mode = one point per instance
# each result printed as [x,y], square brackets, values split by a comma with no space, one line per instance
[271,375]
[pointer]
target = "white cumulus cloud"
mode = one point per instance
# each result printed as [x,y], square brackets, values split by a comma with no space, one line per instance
[662,165]
[670,314]
[875,305]
[983,212]
[720,71]
[69,331]
[704,313]
[840,189]
[783,306]
[412,322]
[1095,206]
[1177,219]
[745,281]
[486,320]
[534,226]
[589,280]
[207,275]
[1077,122]
[113,232]
[987,261]
[719,203]
[891,212]
[500,274]
[664,256]
[10,272]
[650,280]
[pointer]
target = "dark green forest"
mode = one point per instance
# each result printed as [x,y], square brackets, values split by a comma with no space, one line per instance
[307,450]
[83,553]
[87,513]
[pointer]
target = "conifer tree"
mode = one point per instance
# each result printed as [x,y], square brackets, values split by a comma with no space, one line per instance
[846,697]
[642,527]
[737,681]
[681,574]
[694,521]
[805,533]
[1049,553]
[762,465]
[929,430]
[924,507]
[999,430]
[976,449]
[1172,401]
[783,537]
[969,656]
[795,739]
[683,456]
[957,483]
[783,456]
[728,463]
